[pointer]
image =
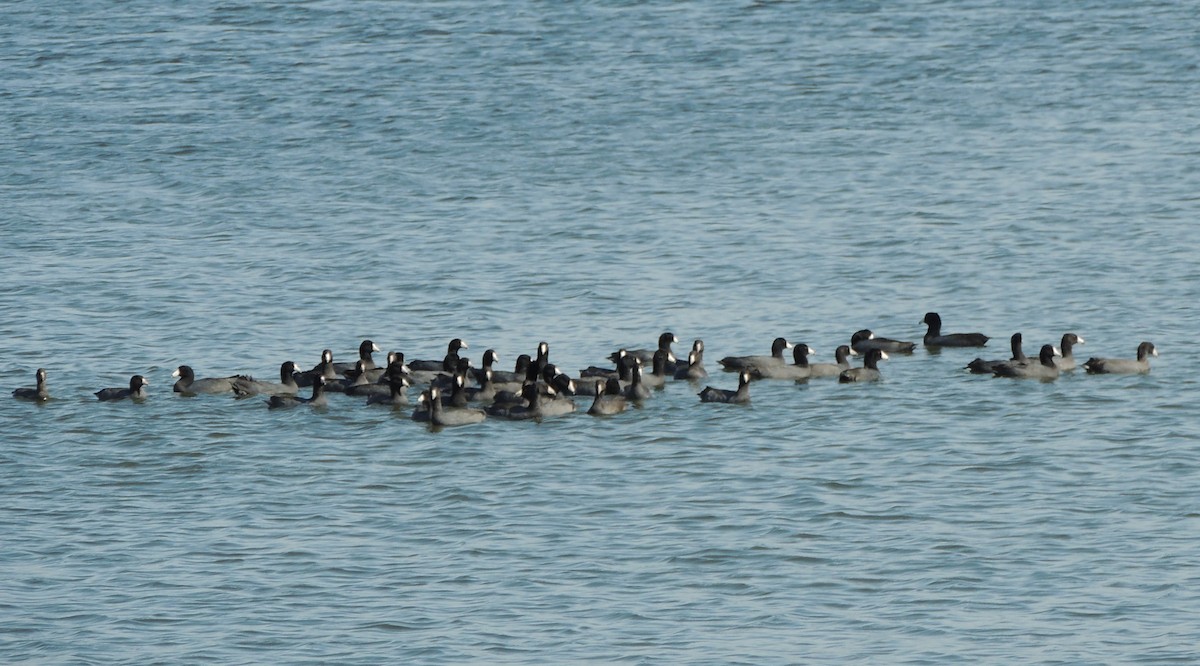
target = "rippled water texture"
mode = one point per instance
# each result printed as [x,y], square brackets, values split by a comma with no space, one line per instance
[234,185]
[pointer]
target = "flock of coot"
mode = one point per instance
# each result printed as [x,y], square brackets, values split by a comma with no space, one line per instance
[536,388]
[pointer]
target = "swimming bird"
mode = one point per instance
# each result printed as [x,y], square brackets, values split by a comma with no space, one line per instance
[136,390]
[317,400]
[460,372]
[554,404]
[37,394]
[446,415]
[325,368]
[506,380]
[678,365]
[798,369]
[864,341]
[934,337]
[364,356]
[510,392]
[636,390]
[734,363]
[457,396]
[423,412]
[675,364]
[449,360]
[1066,346]
[623,362]
[694,370]
[740,396]
[869,372]
[1123,366]
[646,356]
[589,385]
[980,366]
[189,385]
[534,405]
[360,383]
[609,401]
[543,356]
[396,396]
[245,386]
[490,357]
[376,374]
[505,403]
[1044,368]
[842,355]
[657,378]
[485,392]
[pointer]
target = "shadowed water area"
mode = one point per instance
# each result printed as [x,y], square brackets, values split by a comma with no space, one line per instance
[230,186]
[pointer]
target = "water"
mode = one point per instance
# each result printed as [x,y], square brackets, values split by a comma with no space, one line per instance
[232,185]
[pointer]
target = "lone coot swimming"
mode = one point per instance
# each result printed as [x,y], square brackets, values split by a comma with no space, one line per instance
[38,394]
[934,337]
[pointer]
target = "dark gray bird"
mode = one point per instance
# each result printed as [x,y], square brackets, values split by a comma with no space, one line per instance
[741,395]
[934,337]
[445,415]
[980,366]
[396,396]
[1123,366]
[609,401]
[842,355]
[189,385]
[694,370]
[646,356]
[864,341]
[1043,368]
[1067,360]
[736,363]
[317,400]
[136,390]
[450,360]
[798,369]
[37,394]
[636,390]
[365,348]
[245,387]
[868,373]
[325,368]
[657,378]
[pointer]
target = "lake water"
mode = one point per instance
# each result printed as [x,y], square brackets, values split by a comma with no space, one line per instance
[231,185]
